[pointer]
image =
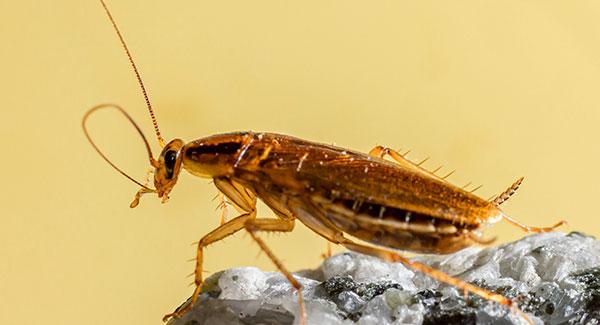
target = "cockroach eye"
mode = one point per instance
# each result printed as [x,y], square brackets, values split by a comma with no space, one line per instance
[170,159]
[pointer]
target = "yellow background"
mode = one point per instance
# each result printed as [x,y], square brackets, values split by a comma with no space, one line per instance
[496,90]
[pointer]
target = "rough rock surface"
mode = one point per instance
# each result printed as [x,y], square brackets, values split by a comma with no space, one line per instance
[553,277]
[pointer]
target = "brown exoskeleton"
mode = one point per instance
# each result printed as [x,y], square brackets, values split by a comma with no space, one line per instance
[333,191]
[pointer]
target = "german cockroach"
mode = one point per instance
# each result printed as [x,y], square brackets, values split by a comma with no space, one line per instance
[333,191]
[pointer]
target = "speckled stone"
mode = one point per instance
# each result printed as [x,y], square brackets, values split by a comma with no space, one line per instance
[553,277]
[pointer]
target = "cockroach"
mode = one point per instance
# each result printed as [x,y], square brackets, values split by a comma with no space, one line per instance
[388,205]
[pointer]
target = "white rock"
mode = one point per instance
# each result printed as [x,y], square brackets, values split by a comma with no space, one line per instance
[556,275]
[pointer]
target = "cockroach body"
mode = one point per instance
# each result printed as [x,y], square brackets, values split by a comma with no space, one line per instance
[333,191]
[326,187]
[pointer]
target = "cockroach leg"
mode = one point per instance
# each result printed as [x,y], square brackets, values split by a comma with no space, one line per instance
[223,206]
[533,229]
[143,190]
[241,197]
[277,225]
[227,229]
[435,274]
[378,152]
[327,252]
[270,225]
[138,196]
[381,152]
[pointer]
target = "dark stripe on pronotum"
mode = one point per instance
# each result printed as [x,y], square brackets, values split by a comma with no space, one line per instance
[225,148]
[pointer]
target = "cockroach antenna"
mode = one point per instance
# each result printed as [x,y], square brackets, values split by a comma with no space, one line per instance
[153,162]
[160,139]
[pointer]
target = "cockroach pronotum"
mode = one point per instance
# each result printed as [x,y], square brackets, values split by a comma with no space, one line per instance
[333,191]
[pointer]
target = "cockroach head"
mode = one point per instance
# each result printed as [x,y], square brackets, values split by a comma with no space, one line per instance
[167,169]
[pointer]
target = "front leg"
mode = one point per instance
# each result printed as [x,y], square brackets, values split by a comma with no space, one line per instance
[226,229]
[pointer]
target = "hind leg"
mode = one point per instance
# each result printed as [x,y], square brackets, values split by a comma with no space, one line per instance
[433,273]
[529,229]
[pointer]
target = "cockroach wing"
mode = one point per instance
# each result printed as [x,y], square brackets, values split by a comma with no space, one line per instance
[308,168]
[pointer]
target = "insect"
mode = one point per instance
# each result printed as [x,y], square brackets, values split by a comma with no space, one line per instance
[336,192]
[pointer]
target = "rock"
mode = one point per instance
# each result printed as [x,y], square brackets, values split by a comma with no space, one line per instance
[553,277]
